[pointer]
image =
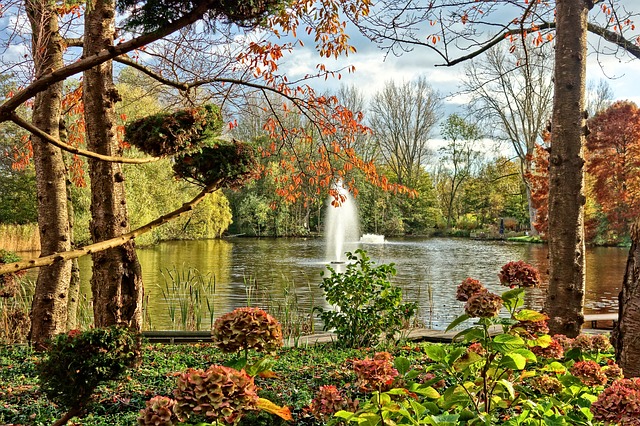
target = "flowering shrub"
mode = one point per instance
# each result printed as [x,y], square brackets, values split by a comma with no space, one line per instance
[377,373]
[247,328]
[328,401]
[519,274]
[589,373]
[469,287]
[159,411]
[219,393]
[483,305]
[619,403]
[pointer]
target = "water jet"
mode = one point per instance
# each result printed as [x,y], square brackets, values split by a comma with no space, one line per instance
[342,228]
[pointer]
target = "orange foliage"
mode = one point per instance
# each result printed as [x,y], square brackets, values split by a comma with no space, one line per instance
[538,179]
[613,159]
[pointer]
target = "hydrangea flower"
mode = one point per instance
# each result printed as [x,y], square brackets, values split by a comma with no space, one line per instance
[377,373]
[553,351]
[328,401]
[468,288]
[589,373]
[158,412]
[247,328]
[483,305]
[546,384]
[619,403]
[219,393]
[519,274]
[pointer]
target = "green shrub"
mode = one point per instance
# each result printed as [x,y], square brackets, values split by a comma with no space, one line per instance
[77,362]
[368,304]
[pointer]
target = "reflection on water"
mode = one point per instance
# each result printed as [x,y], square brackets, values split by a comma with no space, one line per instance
[429,270]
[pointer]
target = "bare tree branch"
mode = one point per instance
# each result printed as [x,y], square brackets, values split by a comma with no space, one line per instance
[107,244]
[606,34]
[91,61]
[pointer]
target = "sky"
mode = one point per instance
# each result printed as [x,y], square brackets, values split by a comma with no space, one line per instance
[374,68]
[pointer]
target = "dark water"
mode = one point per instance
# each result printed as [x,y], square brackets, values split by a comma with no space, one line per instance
[428,270]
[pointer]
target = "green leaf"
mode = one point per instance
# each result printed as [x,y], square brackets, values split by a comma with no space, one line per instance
[513,361]
[508,386]
[506,342]
[555,367]
[453,396]
[530,356]
[402,364]
[236,363]
[529,315]
[432,407]
[470,335]
[435,352]
[542,341]
[467,360]
[462,318]
[426,391]
[262,365]
[512,294]
[446,419]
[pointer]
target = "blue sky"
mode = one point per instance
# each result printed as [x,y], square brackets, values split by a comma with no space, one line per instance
[374,68]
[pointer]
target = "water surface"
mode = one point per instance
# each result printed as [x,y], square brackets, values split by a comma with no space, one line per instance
[428,270]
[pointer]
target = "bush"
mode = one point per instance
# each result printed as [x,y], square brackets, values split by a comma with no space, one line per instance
[247,328]
[368,305]
[77,362]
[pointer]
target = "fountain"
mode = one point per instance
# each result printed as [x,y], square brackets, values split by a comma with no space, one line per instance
[372,239]
[342,229]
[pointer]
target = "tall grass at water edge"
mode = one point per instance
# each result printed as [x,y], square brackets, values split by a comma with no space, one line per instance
[188,294]
[284,305]
[19,238]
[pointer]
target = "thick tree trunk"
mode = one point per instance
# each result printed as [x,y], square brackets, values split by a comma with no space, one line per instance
[565,298]
[116,283]
[49,308]
[626,334]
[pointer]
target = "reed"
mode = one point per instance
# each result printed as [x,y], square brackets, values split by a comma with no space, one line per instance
[14,314]
[19,238]
[284,305]
[188,294]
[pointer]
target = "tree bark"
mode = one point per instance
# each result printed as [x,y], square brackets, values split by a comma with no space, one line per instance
[49,307]
[116,282]
[626,333]
[565,297]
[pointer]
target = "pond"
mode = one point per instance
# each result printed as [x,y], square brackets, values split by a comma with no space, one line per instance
[284,275]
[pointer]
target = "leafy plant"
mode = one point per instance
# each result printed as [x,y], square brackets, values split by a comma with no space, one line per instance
[368,304]
[493,375]
[77,362]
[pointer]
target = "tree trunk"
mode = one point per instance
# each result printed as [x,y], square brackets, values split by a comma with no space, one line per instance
[533,212]
[116,282]
[565,298]
[49,308]
[627,330]
[74,282]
